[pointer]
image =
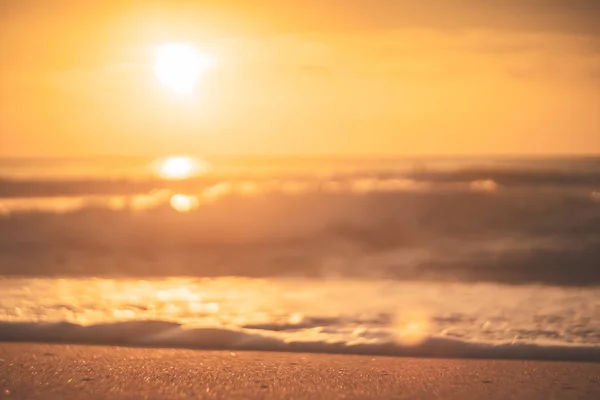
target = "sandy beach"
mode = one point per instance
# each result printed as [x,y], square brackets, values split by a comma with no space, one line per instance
[44,371]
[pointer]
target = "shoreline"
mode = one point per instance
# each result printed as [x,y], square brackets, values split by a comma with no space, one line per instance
[48,371]
[157,334]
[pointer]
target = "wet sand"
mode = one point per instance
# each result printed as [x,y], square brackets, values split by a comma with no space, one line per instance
[45,371]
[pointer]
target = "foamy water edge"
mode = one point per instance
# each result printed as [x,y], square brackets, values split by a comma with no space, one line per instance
[169,334]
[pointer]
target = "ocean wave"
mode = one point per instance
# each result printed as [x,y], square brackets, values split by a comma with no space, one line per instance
[23,189]
[475,234]
[348,316]
[169,334]
[531,175]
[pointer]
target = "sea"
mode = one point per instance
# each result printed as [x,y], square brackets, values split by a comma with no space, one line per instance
[479,257]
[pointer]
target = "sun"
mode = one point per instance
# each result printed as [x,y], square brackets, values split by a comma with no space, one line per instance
[180,167]
[178,66]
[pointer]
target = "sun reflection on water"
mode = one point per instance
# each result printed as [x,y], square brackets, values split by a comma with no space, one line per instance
[412,328]
[183,203]
[180,167]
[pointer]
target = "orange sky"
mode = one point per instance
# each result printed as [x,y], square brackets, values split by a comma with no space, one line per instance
[303,76]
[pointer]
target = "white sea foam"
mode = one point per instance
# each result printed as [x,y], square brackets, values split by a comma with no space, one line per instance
[167,334]
[336,316]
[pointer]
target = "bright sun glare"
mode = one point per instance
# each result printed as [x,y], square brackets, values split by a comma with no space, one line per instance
[181,167]
[183,203]
[179,66]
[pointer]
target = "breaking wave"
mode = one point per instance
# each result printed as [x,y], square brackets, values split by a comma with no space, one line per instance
[392,229]
[480,177]
[169,334]
[511,221]
[378,317]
